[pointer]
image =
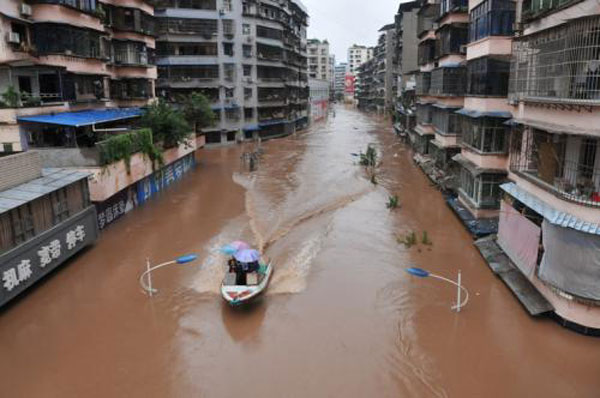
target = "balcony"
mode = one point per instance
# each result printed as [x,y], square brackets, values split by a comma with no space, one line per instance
[188,4]
[130,20]
[132,55]
[488,76]
[445,121]
[534,9]
[564,165]
[426,52]
[448,6]
[558,65]
[448,81]
[492,18]
[182,77]
[484,135]
[426,17]
[423,83]
[207,28]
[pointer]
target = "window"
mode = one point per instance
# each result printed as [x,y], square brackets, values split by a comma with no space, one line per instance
[492,18]
[488,76]
[229,92]
[560,63]
[247,93]
[228,49]
[60,207]
[247,51]
[22,223]
[248,113]
[246,30]
[485,134]
[227,6]
[483,190]
[450,39]
[247,70]
[64,39]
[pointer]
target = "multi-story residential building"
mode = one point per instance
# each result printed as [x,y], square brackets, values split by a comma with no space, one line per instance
[331,74]
[249,57]
[407,66]
[319,60]
[358,55]
[45,218]
[340,78]
[549,221]
[484,140]
[442,30]
[60,56]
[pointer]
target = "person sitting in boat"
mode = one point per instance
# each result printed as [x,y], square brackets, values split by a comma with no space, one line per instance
[232,263]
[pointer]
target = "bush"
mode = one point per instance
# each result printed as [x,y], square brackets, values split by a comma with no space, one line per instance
[11,97]
[392,202]
[167,124]
[122,146]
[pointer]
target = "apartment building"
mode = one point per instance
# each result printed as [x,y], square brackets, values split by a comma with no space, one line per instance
[442,30]
[319,60]
[340,76]
[319,99]
[66,56]
[484,140]
[407,66]
[248,57]
[357,55]
[550,208]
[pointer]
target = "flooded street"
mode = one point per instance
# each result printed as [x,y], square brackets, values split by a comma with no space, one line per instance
[341,317]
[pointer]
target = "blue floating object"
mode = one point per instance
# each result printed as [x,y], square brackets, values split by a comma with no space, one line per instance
[229,250]
[186,259]
[421,273]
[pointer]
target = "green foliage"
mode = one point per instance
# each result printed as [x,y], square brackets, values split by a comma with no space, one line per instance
[11,97]
[167,124]
[369,159]
[392,202]
[122,146]
[197,111]
[409,240]
[425,239]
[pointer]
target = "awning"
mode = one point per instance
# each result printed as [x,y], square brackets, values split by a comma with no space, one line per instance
[477,114]
[551,214]
[444,106]
[473,168]
[272,123]
[553,128]
[251,128]
[84,118]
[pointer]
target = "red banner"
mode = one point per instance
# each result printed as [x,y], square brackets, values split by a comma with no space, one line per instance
[349,84]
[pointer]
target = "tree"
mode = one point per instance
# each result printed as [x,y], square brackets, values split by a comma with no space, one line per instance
[197,111]
[168,125]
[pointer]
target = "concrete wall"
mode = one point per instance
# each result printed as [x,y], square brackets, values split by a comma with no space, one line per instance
[409,42]
[20,168]
[69,157]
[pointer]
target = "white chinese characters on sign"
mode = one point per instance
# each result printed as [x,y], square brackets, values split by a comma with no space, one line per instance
[74,236]
[49,253]
[13,277]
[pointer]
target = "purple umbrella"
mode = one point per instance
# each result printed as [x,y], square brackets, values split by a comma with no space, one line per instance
[247,256]
[239,245]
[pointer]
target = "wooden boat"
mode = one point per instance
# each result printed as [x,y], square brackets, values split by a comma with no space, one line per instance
[257,283]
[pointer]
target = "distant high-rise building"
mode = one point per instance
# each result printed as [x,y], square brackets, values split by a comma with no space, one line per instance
[319,66]
[340,76]
[358,55]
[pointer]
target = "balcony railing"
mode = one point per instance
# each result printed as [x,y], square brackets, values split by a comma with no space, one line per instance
[563,165]
[558,65]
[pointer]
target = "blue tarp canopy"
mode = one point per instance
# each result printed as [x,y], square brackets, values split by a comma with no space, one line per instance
[84,118]
[272,123]
[478,114]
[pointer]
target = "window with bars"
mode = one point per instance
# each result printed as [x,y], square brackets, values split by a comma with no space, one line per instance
[423,83]
[83,5]
[22,223]
[488,76]
[560,64]
[483,190]
[53,38]
[184,73]
[203,27]
[197,49]
[426,52]
[484,134]
[424,113]
[193,4]
[445,121]
[450,39]
[447,81]
[447,6]
[228,27]
[492,18]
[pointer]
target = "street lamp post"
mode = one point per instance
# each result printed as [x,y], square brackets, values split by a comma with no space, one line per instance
[146,283]
[421,273]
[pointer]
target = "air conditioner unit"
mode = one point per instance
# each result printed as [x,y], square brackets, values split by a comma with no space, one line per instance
[26,10]
[14,37]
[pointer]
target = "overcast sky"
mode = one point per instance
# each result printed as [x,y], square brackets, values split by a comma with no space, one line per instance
[345,22]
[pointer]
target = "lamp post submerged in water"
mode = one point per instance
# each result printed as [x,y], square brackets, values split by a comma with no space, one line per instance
[146,283]
[421,273]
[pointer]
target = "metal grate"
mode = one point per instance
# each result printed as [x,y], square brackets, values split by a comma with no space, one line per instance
[561,64]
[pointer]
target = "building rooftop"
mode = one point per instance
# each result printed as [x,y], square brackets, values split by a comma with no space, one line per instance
[51,180]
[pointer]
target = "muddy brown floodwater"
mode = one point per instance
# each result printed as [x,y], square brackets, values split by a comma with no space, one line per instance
[341,317]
